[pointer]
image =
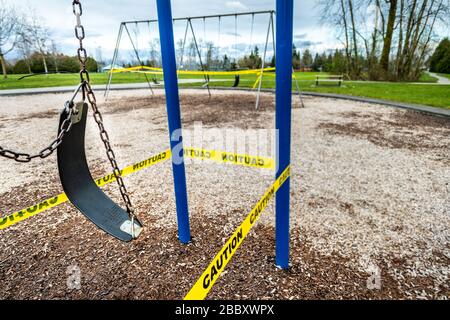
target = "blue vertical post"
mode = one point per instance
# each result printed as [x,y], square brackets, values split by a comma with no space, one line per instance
[284,38]
[174,116]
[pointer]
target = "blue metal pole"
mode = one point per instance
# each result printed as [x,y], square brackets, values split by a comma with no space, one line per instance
[285,21]
[174,116]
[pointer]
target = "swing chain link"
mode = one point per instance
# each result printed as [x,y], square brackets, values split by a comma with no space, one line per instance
[89,94]
[22,157]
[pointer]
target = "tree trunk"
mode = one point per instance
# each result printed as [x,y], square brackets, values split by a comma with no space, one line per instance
[410,24]
[400,36]
[44,61]
[3,63]
[355,44]
[347,52]
[56,64]
[27,61]
[371,57]
[384,60]
[428,39]
[415,37]
[375,33]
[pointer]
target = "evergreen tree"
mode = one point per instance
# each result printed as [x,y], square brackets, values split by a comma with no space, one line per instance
[440,60]
[307,61]
[295,58]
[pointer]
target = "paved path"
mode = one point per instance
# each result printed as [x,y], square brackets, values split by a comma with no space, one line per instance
[420,108]
[387,82]
[441,79]
[102,87]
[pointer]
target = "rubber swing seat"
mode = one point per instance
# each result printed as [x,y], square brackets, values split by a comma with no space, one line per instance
[237,79]
[80,187]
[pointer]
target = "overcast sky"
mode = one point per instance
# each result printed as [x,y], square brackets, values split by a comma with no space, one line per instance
[102,18]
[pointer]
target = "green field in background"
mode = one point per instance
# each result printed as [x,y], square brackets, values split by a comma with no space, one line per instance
[425,94]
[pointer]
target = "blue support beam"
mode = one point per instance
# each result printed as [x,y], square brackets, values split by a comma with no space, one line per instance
[284,38]
[174,116]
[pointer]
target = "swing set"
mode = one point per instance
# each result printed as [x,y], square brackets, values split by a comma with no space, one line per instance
[206,71]
[75,176]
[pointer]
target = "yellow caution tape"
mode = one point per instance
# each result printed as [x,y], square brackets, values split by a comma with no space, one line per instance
[23,214]
[47,204]
[218,264]
[218,156]
[229,157]
[159,71]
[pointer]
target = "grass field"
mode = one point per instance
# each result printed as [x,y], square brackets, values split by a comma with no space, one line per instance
[425,77]
[416,93]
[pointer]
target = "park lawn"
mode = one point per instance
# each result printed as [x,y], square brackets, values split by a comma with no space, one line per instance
[59,80]
[426,94]
[430,95]
[427,78]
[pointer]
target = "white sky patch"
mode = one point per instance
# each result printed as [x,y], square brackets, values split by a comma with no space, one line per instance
[236,5]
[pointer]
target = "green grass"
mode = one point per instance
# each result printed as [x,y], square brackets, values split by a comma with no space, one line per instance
[429,94]
[426,94]
[427,78]
[57,80]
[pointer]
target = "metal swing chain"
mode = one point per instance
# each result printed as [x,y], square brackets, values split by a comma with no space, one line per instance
[66,125]
[89,94]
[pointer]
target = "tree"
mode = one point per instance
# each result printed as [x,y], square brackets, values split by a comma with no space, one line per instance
[10,26]
[226,65]
[209,55]
[253,61]
[54,52]
[155,57]
[338,63]
[384,60]
[273,61]
[355,62]
[392,41]
[24,47]
[295,58]
[317,63]
[39,34]
[307,59]
[440,60]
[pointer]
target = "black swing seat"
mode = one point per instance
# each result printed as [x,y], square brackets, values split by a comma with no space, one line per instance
[80,187]
[237,79]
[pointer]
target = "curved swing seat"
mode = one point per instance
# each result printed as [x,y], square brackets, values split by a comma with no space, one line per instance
[80,187]
[237,79]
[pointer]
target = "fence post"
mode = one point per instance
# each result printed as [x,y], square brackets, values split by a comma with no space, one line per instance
[284,39]
[174,116]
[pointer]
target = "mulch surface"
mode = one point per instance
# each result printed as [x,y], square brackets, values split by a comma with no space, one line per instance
[36,256]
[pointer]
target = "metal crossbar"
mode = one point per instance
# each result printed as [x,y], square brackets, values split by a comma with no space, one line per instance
[205,17]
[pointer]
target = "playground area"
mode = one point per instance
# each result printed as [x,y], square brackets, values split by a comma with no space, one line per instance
[369,198]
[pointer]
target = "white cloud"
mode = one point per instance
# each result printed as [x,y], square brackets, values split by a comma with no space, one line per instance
[235,5]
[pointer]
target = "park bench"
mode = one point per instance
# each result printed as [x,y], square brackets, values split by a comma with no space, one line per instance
[330,78]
